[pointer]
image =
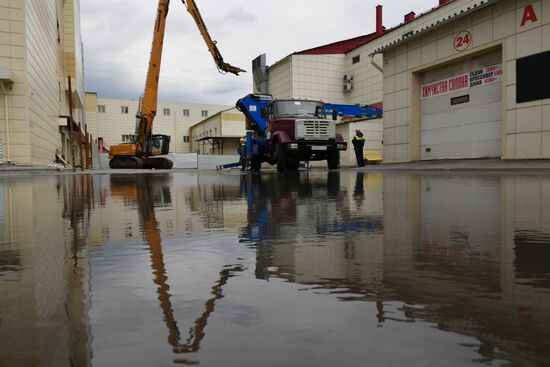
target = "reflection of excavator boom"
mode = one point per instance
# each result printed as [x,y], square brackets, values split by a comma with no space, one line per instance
[145,191]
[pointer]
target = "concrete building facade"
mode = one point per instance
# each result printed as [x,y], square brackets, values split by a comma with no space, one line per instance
[218,134]
[339,72]
[492,41]
[114,120]
[471,85]
[40,49]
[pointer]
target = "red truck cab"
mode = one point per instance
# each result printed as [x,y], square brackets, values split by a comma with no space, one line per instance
[298,130]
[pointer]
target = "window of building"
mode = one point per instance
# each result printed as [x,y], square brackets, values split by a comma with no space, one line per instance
[215,131]
[356,59]
[58,33]
[126,138]
[186,113]
[101,108]
[124,109]
[532,76]
[186,139]
[204,113]
[166,111]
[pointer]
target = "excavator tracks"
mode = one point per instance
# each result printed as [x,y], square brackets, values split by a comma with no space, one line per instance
[137,163]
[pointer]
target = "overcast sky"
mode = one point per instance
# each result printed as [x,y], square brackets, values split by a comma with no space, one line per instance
[117,38]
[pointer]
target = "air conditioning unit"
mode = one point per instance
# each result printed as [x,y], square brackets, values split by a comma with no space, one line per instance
[348,87]
[348,77]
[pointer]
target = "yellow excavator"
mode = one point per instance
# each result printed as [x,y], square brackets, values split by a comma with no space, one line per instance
[145,149]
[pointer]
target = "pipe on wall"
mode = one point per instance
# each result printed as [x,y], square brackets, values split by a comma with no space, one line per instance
[377,66]
[7,118]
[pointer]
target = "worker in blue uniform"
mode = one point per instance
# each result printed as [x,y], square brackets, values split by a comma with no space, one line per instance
[358,143]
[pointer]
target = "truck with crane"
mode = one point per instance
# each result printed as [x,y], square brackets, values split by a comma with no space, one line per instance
[286,132]
[146,150]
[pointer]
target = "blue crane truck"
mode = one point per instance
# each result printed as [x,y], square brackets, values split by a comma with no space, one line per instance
[286,132]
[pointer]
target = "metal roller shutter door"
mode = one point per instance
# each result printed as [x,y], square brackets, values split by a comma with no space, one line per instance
[461,109]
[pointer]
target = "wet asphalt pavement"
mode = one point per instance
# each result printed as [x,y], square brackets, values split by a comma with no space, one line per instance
[381,267]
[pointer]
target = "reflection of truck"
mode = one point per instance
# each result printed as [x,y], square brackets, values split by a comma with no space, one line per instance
[285,132]
[145,149]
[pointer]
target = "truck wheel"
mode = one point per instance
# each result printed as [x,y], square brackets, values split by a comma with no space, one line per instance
[333,159]
[255,163]
[292,165]
[280,157]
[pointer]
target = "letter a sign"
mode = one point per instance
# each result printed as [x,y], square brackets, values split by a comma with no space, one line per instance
[529,15]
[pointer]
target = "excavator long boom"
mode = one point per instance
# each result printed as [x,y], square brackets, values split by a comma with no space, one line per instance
[148,109]
[146,150]
[222,66]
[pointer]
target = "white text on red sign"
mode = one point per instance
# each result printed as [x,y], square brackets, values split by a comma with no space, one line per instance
[475,78]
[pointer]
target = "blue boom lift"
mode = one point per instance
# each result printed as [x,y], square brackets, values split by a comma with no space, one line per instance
[256,139]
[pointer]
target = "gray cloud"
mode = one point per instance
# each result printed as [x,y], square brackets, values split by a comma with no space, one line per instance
[117,39]
[239,15]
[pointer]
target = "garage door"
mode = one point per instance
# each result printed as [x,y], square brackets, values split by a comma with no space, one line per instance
[461,109]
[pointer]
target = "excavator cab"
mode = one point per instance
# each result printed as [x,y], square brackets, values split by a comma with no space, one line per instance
[159,145]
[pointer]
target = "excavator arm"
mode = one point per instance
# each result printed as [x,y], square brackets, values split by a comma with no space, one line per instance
[146,150]
[222,66]
[148,108]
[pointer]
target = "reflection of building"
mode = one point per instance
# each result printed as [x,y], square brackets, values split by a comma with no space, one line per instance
[217,200]
[464,252]
[40,50]
[467,250]
[115,119]
[116,196]
[460,236]
[44,272]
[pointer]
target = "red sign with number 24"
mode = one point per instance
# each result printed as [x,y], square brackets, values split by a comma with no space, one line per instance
[463,40]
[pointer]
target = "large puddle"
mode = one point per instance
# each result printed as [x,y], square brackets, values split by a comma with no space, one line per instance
[310,269]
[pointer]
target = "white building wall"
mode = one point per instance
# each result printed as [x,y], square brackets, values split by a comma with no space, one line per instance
[91,114]
[113,124]
[367,80]
[319,77]
[280,79]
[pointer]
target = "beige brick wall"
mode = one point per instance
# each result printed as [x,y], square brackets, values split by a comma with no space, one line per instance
[525,126]
[46,98]
[230,124]
[13,57]
[233,123]
[34,48]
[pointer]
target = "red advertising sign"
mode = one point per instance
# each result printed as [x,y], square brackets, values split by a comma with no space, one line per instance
[475,78]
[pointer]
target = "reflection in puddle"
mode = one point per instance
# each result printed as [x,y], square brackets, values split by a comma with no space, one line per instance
[310,268]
